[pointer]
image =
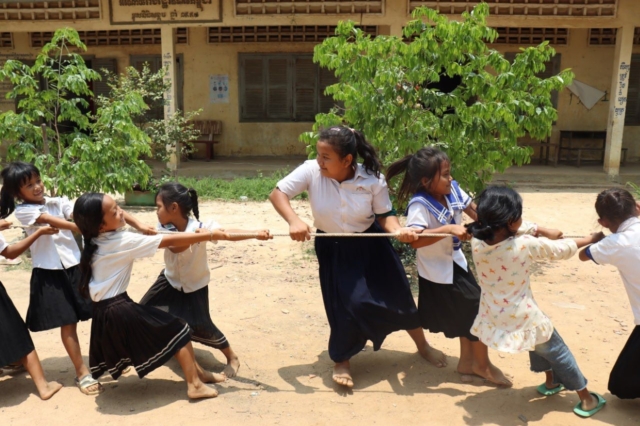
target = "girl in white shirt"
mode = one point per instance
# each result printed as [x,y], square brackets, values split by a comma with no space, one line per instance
[509,319]
[364,285]
[124,333]
[449,294]
[54,301]
[182,289]
[618,212]
[16,341]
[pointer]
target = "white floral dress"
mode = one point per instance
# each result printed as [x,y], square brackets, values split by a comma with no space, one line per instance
[509,319]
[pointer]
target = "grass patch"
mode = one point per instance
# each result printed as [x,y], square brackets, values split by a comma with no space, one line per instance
[255,188]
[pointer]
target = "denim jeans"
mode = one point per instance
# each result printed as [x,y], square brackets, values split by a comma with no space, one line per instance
[554,355]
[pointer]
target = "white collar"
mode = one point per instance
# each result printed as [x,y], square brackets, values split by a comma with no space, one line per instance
[628,224]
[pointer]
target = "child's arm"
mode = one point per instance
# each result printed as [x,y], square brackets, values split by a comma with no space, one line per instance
[471,211]
[15,250]
[298,230]
[57,222]
[181,239]
[392,225]
[598,236]
[552,234]
[458,230]
[135,223]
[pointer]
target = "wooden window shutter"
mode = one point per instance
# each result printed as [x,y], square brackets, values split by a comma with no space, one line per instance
[279,105]
[326,78]
[305,90]
[632,116]
[100,87]
[252,88]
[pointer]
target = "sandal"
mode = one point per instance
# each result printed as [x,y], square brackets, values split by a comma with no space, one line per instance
[582,413]
[87,381]
[544,390]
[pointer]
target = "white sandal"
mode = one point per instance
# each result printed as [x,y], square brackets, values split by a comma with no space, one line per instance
[87,381]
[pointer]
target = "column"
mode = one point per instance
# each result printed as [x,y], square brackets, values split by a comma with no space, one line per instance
[170,96]
[618,102]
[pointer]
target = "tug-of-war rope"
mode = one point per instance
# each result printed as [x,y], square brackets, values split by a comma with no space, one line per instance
[312,234]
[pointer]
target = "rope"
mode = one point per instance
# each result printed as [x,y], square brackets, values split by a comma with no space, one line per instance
[313,234]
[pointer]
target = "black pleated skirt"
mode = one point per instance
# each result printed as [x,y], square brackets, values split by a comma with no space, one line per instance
[624,380]
[55,299]
[365,291]
[192,307]
[450,308]
[124,333]
[15,341]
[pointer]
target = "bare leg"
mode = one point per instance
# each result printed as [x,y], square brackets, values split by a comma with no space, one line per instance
[205,376]
[549,382]
[46,389]
[427,352]
[465,364]
[483,367]
[588,401]
[195,388]
[233,363]
[69,336]
[342,374]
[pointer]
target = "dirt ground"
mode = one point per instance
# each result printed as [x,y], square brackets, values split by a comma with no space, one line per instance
[265,297]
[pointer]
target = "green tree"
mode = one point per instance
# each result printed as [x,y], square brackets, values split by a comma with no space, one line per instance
[82,152]
[388,89]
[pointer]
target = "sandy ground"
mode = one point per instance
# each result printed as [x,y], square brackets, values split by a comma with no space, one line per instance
[265,297]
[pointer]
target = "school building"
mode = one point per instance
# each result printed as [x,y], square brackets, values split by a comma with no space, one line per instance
[247,63]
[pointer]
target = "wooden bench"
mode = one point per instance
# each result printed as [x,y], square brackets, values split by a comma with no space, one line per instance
[209,129]
[579,152]
[544,146]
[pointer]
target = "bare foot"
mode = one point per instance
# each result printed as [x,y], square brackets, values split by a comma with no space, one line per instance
[342,374]
[201,391]
[209,377]
[49,390]
[465,369]
[433,355]
[588,401]
[233,365]
[492,374]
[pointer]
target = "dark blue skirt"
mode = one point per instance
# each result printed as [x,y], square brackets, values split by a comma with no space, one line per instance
[365,291]
[15,341]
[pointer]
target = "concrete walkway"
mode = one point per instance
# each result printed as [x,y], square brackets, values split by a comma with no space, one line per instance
[563,176]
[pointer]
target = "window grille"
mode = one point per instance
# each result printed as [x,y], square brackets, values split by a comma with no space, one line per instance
[594,8]
[277,34]
[308,7]
[532,36]
[50,10]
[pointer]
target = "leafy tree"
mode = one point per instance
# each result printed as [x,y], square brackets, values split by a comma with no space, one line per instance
[389,89]
[83,152]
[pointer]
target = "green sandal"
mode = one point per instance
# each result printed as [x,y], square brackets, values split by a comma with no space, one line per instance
[582,413]
[544,390]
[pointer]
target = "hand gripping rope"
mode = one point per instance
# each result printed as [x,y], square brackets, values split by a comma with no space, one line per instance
[313,234]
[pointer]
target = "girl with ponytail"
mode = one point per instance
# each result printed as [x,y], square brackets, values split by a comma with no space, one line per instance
[364,286]
[124,333]
[182,288]
[449,296]
[510,319]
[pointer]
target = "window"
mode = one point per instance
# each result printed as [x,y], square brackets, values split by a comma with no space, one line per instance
[632,117]
[552,67]
[282,87]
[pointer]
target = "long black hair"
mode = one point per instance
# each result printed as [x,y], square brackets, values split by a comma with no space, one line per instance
[616,205]
[345,141]
[186,198]
[88,216]
[424,164]
[498,207]
[14,176]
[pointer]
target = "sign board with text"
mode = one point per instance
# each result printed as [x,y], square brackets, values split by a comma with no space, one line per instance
[164,11]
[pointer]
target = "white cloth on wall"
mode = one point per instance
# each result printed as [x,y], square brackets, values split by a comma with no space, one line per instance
[588,95]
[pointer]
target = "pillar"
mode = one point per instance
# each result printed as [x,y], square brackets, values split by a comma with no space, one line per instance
[618,102]
[170,96]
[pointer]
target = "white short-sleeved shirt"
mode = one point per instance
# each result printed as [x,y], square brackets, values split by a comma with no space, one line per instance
[57,251]
[348,206]
[622,250]
[113,260]
[189,271]
[435,261]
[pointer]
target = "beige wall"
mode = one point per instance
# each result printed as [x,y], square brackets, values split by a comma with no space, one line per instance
[591,65]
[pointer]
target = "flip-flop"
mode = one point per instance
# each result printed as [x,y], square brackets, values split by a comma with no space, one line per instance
[544,390]
[85,382]
[582,413]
